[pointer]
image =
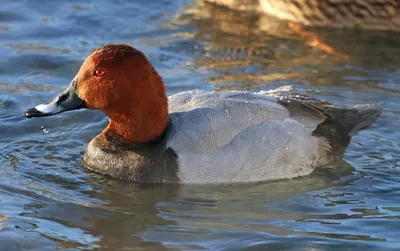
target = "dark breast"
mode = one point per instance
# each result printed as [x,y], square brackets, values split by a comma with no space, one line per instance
[151,162]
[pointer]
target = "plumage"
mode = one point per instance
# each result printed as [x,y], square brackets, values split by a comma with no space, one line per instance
[201,136]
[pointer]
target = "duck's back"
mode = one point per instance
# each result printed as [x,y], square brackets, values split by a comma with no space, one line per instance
[206,121]
[244,137]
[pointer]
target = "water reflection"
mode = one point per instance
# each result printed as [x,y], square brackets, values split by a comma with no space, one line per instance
[113,214]
[248,50]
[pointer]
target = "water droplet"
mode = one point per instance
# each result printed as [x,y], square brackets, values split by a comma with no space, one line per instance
[46,130]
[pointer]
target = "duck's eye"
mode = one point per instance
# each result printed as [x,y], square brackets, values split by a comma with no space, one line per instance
[99,72]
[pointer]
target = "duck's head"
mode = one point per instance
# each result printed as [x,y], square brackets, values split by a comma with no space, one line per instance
[121,82]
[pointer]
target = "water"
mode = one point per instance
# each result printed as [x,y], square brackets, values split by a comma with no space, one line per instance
[48,200]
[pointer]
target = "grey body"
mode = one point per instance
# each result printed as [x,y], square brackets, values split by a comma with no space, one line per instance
[224,137]
[240,137]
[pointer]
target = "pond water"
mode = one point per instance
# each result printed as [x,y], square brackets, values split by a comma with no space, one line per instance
[48,200]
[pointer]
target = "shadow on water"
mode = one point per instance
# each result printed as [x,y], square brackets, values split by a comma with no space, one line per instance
[114,215]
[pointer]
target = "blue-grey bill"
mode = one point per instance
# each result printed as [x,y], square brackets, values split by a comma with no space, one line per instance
[66,101]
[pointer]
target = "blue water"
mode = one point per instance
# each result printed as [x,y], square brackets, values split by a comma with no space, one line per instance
[49,201]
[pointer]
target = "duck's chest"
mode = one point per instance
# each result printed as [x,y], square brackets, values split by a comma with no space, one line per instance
[144,163]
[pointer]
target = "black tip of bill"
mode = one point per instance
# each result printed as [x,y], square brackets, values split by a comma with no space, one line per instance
[33,112]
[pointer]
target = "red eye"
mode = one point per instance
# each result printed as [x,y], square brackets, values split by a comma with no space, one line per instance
[99,72]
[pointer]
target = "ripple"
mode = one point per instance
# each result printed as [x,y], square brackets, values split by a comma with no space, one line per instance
[49,200]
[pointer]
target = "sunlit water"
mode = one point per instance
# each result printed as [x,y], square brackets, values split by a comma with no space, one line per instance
[48,200]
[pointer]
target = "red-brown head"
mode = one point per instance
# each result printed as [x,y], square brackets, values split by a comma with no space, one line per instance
[121,82]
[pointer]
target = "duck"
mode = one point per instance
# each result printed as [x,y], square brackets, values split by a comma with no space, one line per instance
[364,14]
[197,136]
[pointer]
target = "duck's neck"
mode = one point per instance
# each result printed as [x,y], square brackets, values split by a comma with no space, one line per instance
[139,125]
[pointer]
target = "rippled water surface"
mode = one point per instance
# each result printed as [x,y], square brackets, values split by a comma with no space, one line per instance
[48,200]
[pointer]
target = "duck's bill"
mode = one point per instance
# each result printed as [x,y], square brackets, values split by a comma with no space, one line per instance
[66,101]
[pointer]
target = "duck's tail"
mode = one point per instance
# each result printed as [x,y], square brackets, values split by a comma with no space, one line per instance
[362,117]
[342,123]
[335,125]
